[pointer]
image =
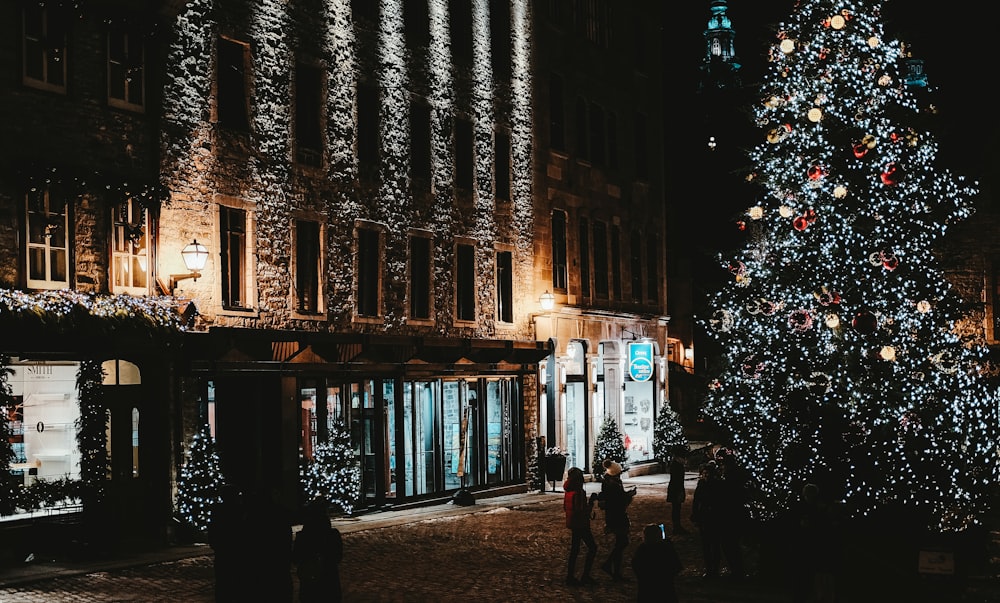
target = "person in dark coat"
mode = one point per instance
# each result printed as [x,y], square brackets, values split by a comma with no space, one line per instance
[656,565]
[705,509]
[675,488]
[816,548]
[269,566]
[227,536]
[317,553]
[615,501]
[734,517]
[578,512]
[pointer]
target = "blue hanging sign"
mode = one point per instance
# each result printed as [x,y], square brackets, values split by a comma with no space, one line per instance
[640,360]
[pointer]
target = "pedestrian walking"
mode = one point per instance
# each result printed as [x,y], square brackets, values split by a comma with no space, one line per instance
[705,510]
[579,511]
[227,537]
[676,494]
[615,501]
[317,553]
[656,565]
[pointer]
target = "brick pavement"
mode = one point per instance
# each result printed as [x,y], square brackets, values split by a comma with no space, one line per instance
[508,549]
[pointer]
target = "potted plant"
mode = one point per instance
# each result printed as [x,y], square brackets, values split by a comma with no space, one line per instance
[555,465]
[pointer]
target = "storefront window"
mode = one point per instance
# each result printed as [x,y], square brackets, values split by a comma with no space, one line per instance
[637,421]
[452,415]
[42,422]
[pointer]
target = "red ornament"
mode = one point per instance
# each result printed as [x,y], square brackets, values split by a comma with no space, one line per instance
[865,322]
[741,225]
[890,262]
[809,215]
[816,172]
[860,150]
[893,174]
[800,223]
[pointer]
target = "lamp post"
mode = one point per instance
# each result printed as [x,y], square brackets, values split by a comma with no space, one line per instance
[194,255]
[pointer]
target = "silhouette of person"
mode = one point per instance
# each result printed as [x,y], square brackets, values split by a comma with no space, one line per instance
[734,516]
[675,487]
[656,565]
[705,510]
[815,548]
[317,553]
[227,536]
[615,501]
[270,564]
[578,512]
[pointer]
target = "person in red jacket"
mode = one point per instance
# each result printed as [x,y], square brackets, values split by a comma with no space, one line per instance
[578,513]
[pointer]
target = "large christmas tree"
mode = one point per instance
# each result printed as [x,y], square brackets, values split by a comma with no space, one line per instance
[841,361]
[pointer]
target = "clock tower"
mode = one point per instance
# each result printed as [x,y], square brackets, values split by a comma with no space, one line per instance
[720,67]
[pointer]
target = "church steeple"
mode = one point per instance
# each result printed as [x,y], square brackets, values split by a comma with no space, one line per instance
[720,67]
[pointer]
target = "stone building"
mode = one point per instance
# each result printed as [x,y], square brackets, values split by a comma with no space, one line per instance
[379,196]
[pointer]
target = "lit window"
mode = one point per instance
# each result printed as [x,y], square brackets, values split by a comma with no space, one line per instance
[233,242]
[47,220]
[130,248]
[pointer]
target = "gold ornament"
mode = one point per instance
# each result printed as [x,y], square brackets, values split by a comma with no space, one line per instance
[814,115]
[837,22]
[787,46]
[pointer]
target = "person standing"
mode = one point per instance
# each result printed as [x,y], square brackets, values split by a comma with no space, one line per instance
[578,513]
[317,553]
[227,534]
[705,509]
[656,565]
[734,516]
[615,501]
[675,488]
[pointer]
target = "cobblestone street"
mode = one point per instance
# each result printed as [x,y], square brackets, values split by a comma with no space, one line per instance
[512,552]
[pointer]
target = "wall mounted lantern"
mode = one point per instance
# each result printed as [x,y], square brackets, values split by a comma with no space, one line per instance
[194,255]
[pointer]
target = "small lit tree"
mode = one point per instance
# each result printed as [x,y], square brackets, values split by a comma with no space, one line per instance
[333,473]
[667,433]
[609,445]
[200,482]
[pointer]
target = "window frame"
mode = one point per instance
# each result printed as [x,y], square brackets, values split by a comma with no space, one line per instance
[31,219]
[414,283]
[319,273]
[560,259]
[129,68]
[124,231]
[465,281]
[49,20]
[314,110]
[364,268]
[246,256]
[504,270]
[226,100]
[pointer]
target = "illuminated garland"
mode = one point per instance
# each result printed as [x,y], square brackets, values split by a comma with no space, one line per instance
[8,489]
[65,310]
[92,427]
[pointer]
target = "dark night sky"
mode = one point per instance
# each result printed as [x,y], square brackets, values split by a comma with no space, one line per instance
[957,47]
